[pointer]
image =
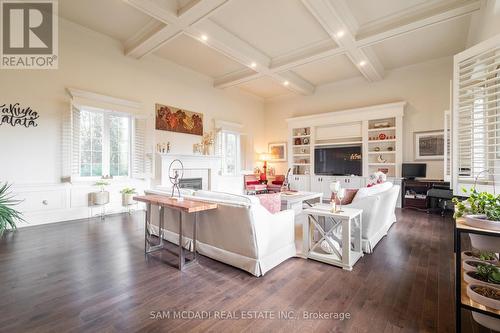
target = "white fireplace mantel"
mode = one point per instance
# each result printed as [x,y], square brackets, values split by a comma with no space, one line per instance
[207,167]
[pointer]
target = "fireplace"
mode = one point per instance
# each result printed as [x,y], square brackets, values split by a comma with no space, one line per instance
[191,183]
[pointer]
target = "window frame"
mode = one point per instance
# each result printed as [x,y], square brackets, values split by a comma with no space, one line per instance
[237,169]
[106,148]
[486,180]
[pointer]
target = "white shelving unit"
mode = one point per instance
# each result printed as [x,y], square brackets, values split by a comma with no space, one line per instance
[377,129]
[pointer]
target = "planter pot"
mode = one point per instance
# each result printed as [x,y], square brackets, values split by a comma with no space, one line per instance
[480,221]
[485,243]
[487,321]
[467,255]
[99,198]
[472,280]
[466,264]
[486,301]
[127,199]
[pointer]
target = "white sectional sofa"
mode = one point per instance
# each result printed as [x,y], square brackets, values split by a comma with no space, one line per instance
[241,232]
[378,204]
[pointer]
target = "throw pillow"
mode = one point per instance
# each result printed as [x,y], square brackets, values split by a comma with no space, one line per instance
[271,202]
[350,193]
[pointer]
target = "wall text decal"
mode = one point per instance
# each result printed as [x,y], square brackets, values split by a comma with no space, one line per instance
[14,114]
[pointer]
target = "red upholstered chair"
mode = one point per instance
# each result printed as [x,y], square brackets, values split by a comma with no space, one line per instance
[253,185]
[276,184]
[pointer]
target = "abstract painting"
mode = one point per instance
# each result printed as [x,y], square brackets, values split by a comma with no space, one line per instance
[169,118]
[429,145]
[277,151]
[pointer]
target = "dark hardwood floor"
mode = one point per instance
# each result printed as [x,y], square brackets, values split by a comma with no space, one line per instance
[92,275]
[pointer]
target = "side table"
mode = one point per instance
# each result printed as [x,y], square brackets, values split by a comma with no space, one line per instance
[340,230]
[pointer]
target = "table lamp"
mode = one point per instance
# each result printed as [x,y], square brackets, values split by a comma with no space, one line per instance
[335,188]
[264,158]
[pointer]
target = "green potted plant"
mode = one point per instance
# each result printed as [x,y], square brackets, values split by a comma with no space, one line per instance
[8,215]
[480,210]
[127,196]
[101,197]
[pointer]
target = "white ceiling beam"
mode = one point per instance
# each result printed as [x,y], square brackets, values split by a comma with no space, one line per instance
[150,8]
[452,13]
[175,25]
[228,44]
[334,19]
[305,55]
[294,82]
[236,78]
[149,41]
[237,49]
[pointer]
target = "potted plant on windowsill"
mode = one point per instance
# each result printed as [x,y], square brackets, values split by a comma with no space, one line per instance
[101,197]
[8,215]
[128,195]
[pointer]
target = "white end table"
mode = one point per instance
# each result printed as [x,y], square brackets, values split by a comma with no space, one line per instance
[341,230]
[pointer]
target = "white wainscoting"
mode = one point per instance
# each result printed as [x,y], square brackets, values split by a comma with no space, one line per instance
[49,203]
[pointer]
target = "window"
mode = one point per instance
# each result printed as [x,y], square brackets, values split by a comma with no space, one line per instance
[229,148]
[476,118]
[104,144]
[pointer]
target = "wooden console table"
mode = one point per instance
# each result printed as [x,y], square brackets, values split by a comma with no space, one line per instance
[182,206]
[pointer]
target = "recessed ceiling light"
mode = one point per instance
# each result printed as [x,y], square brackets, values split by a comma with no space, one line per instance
[204,37]
[340,33]
[286,83]
[362,63]
[253,64]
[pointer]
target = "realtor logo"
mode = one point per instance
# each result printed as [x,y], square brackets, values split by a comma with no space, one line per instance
[29,34]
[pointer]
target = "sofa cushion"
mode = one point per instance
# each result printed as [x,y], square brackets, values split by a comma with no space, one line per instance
[271,202]
[350,193]
[368,191]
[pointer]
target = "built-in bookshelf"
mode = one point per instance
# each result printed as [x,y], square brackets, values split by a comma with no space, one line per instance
[377,129]
[301,151]
[382,140]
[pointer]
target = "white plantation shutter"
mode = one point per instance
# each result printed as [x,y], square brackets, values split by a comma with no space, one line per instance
[447,146]
[141,160]
[476,116]
[71,144]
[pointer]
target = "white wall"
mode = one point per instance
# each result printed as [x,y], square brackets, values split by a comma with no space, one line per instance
[485,23]
[94,62]
[424,86]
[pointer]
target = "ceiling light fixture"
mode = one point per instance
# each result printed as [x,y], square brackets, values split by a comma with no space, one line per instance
[340,33]
[286,83]
[204,38]
[253,65]
[362,63]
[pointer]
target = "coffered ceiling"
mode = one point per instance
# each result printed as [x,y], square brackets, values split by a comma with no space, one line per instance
[275,47]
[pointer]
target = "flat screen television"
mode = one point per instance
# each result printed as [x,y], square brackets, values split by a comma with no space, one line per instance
[338,161]
[414,170]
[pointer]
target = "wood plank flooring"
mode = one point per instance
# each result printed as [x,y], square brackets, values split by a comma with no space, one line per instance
[92,276]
